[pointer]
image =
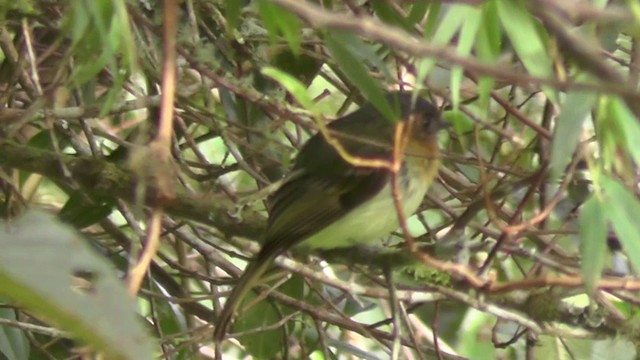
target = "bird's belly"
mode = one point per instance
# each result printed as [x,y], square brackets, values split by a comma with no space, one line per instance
[367,223]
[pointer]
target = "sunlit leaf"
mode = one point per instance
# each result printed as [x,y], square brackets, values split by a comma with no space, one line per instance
[293,86]
[527,42]
[446,30]
[468,34]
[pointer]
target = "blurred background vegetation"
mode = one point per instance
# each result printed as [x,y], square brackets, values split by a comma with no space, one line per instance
[139,140]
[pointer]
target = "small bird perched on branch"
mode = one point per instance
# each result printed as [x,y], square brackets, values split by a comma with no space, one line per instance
[339,192]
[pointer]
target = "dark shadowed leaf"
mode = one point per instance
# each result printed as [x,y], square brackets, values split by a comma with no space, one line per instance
[14,345]
[266,344]
[81,211]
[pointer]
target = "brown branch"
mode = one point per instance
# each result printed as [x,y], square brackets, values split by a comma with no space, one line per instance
[160,149]
[76,112]
[587,55]
[101,177]
[399,39]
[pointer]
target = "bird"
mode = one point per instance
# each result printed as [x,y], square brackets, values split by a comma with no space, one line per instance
[327,202]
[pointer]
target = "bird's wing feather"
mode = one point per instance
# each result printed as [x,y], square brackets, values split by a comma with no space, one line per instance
[308,203]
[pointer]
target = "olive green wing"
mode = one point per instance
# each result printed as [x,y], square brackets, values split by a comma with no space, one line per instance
[308,203]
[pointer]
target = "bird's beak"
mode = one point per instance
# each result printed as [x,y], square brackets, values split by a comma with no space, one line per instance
[437,125]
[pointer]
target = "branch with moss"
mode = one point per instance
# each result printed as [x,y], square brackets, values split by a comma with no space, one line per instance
[103,178]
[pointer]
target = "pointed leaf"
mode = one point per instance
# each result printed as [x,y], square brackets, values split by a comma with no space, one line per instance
[575,109]
[527,42]
[293,86]
[468,35]
[278,20]
[14,344]
[593,245]
[623,212]
[357,72]
[628,123]
[448,27]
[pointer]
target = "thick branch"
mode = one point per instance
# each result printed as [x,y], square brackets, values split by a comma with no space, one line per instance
[101,177]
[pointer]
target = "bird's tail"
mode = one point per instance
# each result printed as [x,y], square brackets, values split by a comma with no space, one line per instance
[249,279]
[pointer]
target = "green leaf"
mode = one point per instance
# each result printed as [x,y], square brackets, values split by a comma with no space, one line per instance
[232,11]
[303,67]
[170,319]
[448,27]
[14,344]
[607,133]
[358,73]
[490,32]
[417,12]
[41,140]
[121,37]
[468,34]
[520,27]
[266,344]
[432,19]
[527,42]
[367,54]
[101,36]
[488,47]
[293,86]
[593,245]
[80,211]
[575,109]
[280,21]
[389,15]
[628,123]
[623,211]
[48,269]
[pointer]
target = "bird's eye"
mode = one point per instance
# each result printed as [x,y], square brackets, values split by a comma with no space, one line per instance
[425,118]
